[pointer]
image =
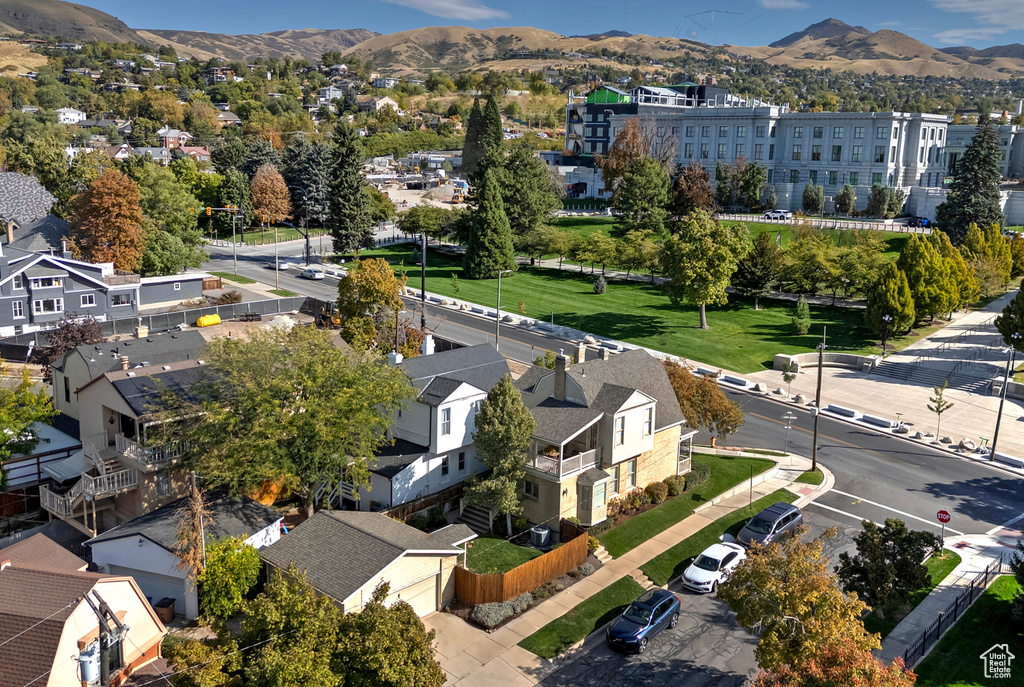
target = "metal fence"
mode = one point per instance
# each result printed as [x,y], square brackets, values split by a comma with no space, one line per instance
[827,223]
[916,651]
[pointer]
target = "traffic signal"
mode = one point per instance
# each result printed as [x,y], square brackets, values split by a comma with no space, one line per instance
[209,211]
[264,218]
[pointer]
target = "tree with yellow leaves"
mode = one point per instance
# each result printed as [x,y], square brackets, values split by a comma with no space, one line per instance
[106,221]
[270,197]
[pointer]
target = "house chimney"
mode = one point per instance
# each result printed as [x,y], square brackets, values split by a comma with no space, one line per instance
[142,331]
[10,231]
[606,354]
[124,362]
[394,358]
[428,345]
[561,365]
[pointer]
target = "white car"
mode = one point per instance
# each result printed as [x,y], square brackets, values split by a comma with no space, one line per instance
[711,567]
[282,265]
[778,214]
[312,274]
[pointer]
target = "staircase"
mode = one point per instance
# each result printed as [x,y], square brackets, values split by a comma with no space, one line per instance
[909,372]
[73,503]
[478,519]
[602,554]
[641,579]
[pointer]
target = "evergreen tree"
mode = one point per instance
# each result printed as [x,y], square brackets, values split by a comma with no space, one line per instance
[473,147]
[973,195]
[927,275]
[813,199]
[307,171]
[640,198]
[802,320]
[528,192]
[349,221]
[489,249]
[846,200]
[723,186]
[259,152]
[890,295]
[230,155]
[749,180]
[759,268]
[965,286]
[234,191]
[491,135]
[1011,321]
[878,201]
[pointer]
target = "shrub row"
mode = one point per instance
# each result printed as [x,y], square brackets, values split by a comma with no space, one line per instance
[491,614]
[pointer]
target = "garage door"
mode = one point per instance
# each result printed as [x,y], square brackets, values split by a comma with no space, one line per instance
[156,587]
[422,596]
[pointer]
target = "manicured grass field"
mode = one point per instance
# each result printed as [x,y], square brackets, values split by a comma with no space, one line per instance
[726,472]
[563,632]
[283,293]
[254,237]
[671,564]
[811,477]
[233,277]
[938,568]
[489,554]
[955,661]
[740,338]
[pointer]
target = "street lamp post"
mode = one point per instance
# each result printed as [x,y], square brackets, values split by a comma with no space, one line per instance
[1011,354]
[817,402]
[886,322]
[497,312]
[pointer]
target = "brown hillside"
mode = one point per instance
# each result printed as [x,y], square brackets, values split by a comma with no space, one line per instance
[298,43]
[67,20]
[18,59]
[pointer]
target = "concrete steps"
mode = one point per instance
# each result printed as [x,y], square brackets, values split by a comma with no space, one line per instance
[476,518]
[641,579]
[602,554]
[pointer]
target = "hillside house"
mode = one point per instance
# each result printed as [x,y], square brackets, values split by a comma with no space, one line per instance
[172,138]
[69,115]
[376,103]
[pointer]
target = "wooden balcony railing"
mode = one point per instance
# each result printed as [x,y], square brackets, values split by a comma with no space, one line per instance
[148,455]
[566,466]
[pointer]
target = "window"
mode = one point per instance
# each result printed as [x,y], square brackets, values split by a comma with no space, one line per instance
[613,486]
[689,131]
[600,495]
[705,131]
[444,465]
[771,151]
[588,131]
[48,305]
[648,421]
[837,153]
[741,131]
[45,282]
[19,309]
[858,151]
[689,151]
[876,179]
[120,299]
[770,175]
[879,153]
[854,178]
[759,151]
[704,151]
[163,482]
[723,131]
[531,490]
[924,134]
[721,150]
[675,131]
[933,134]
[892,154]
[88,300]
[177,286]
[837,132]
[759,131]
[796,152]
[920,155]
[895,132]
[18,283]
[620,431]
[661,131]
[798,132]
[881,133]
[462,461]
[772,134]
[794,176]
[67,390]
[740,149]
[816,153]
[630,478]
[833,178]
[446,421]
[812,177]
[818,131]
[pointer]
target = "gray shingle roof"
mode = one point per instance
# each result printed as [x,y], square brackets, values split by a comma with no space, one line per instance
[391,459]
[232,518]
[592,476]
[156,349]
[41,234]
[531,377]
[22,198]
[480,366]
[634,369]
[438,390]
[144,394]
[611,397]
[340,551]
[558,421]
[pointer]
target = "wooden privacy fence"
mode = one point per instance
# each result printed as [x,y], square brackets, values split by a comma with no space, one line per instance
[474,588]
[439,499]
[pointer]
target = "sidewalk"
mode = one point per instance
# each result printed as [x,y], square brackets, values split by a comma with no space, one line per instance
[976,552]
[472,657]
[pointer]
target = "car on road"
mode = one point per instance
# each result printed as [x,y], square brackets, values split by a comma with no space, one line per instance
[778,214]
[648,615]
[772,524]
[712,566]
[311,274]
[282,265]
[917,222]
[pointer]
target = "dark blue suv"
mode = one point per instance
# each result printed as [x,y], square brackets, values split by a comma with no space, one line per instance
[643,619]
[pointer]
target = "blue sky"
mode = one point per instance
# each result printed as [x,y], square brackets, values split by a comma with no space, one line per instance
[980,23]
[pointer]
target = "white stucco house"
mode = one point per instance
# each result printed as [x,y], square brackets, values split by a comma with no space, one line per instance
[143,548]
[69,115]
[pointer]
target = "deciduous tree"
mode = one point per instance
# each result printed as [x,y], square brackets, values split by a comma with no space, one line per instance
[973,196]
[232,569]
[172,239]
[927,275]
[270,198]
[939,405]
[966,287]
[1011,321]
[813,199]
[636,251]
[987,253]
[890,296]
[106,221]
[691,191]
[628,147]
[760,267]
[703,402]
[838,665]
[349,220]
[22,407]
[373,292]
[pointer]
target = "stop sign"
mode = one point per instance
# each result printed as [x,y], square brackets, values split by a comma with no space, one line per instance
[943,516]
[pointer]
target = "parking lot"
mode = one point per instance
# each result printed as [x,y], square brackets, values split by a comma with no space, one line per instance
[706,649]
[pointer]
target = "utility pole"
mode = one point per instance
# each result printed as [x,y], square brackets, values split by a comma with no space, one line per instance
[497,312]
[110,640]
[234,244]
[817,401]
[423,283]
[277,263]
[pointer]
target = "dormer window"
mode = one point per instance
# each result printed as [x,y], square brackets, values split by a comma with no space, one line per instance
[19,284]
[446,421]
[648,421]
[44,282]
[620,431]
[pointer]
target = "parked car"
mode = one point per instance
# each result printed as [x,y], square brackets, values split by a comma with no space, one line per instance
[712,566]
[311,274]
[917,222]
[772,524]
[778,214]
[655,610]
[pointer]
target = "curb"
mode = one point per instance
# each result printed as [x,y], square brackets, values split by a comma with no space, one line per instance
[760,478]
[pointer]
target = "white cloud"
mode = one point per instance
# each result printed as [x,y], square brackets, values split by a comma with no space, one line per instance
[992,17]
[463,10]
[784,4]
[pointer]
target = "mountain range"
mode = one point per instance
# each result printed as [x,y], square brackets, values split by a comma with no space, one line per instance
[830,44]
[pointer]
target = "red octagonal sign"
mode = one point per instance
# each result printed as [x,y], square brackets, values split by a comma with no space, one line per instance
[943,516]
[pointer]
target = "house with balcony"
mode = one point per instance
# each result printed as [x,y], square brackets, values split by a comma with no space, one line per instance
[431,448]
[603,428]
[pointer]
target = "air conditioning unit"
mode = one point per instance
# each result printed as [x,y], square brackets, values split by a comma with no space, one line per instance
[539,536]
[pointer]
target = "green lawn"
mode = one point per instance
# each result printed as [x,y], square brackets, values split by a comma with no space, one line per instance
[671,564]
[233,277]
[894,240]
[255,236]
[726,472]
[938,569]
[283,293]
[563,632]
[955,661]
[740,338]
[811,477]
[490,554]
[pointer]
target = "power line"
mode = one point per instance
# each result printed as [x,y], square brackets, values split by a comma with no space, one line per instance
[70,604]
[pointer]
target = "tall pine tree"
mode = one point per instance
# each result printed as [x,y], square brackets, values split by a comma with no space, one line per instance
[349,222]
[974,191]
[491,134]
[472,148]
[490,240]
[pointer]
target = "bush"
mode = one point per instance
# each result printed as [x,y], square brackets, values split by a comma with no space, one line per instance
[656,491]
[635,500]
[698,475]
[676,484]
[229,297]
[586,569]
[802,320]
[574,520]
[600,285]
[420,522]
[592,543]
[435,518]
[232,568]
[614,507]
[492,614]
[520,524]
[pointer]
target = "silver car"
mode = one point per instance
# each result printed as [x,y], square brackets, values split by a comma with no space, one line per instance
[772,524]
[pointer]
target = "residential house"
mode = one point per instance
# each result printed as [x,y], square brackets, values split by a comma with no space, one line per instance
[24,208]
[603,428]
[385,82]
[121,152]
[24,471]
[330,93]
[124,65]
[172,138]
[69,115]
[197,153]
[346,554]
[161,156]
[144,548]
[227,118]
[375,103]
[123,126]
[339,70]
[68,46]
[50,622]
[432,438]
[169,290]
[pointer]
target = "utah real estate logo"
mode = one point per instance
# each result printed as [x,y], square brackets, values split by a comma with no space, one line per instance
[997,661]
